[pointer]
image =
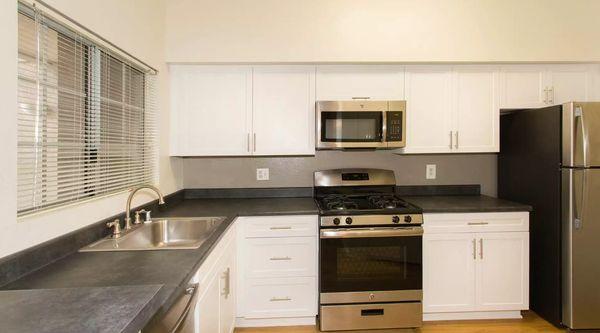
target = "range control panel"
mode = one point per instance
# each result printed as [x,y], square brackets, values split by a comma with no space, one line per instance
[366,220]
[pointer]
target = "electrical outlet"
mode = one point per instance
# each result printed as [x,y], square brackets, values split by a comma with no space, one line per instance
[262,174]
[430,171]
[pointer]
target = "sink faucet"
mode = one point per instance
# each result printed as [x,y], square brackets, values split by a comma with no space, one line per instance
[130,198]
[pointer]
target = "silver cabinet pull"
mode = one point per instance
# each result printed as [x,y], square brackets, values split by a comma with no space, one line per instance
[280,299]
[451,140]
[248,142]
[254,141]
[474,249]
[281,228]
[478,223]
[226,275]
[359,97]
[280,258]
[456,143]
[480,248]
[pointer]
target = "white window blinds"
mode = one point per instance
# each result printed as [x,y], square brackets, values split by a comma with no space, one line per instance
[86,123]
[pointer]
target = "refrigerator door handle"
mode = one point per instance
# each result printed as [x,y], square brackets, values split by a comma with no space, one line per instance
[581,136]
[579,208]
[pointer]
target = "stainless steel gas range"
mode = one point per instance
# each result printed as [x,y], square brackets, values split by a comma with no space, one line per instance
[370,261]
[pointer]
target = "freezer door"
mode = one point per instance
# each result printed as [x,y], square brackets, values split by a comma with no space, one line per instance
[581,134]
[581,248]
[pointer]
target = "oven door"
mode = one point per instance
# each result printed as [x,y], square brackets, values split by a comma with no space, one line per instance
[351,129]
[369,265]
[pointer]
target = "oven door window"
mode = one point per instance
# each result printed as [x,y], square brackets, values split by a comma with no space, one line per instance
[351,126]
[371,264]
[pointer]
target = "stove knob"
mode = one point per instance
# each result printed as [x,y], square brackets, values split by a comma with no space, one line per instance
[408,219]
[348,220]
[395,219]
[336,221]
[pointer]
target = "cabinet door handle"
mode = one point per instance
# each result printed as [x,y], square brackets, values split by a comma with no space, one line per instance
[456,143]
[281,228]
[248,142]
[280,258]
[480,248]
[227,277]
[451,141]
[478,223]
[474,249]
[359,97]
[254,141]
[280,299]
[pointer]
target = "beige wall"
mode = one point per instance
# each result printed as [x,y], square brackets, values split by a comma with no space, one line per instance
[382,30]
[136,26]
[298,171]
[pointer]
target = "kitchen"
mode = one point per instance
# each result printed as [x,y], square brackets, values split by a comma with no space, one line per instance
[254,125]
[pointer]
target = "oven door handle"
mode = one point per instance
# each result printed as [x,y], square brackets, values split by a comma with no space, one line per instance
[371,232]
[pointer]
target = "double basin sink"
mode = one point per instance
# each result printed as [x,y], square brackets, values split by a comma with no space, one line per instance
[161,234]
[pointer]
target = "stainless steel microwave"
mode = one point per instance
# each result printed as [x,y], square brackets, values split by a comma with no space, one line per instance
[361,124]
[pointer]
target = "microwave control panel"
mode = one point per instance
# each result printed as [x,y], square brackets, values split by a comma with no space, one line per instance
[394,125]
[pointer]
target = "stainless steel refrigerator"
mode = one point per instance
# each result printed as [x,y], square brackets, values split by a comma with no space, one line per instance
[550,158]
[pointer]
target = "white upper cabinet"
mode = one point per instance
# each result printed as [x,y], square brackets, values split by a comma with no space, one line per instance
[428,109]
[534,86]
[523,86]
[284,116]
[346,82]
[451,109]
[211,110]
[477,109]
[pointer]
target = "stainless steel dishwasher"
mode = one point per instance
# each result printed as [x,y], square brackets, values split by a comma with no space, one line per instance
[180,317]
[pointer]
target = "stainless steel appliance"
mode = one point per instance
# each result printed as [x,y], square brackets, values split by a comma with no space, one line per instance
[370,260]
[180,317]
[550,158]
[361,124]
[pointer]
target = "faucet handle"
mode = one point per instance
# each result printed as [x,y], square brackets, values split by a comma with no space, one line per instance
[148,216]
[116,225]
[137,219]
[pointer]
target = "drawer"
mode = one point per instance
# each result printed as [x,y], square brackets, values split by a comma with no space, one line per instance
[280,297]
[280,226]
[280,257]
[476,222]
[370,316]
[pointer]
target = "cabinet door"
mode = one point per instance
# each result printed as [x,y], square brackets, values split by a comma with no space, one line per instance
[227,287]
[477,109]
[448,272]
[523,86]
[284,110]
[502,278]
[346,82]
[570,83]
[207,308]
[211,110]
[428,109]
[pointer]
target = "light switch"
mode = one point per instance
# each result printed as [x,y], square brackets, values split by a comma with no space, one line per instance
[430,171]
[262,174]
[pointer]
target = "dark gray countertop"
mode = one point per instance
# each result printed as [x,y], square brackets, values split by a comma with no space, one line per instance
[85,272]
[465,204]
[171,269]
[102,310]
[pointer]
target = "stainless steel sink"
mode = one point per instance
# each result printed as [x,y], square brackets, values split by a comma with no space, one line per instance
[161,234]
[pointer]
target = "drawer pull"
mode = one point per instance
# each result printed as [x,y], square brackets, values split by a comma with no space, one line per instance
[371,312]
[280,258]
[478,223]
[281,228]
[280,299]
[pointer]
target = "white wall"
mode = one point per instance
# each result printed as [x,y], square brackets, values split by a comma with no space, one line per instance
[382,30]
[134,25]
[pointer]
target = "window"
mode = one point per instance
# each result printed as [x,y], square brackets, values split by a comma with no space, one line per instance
[86,123]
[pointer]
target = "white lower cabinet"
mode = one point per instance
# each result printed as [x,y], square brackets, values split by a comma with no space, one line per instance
[277,275]
[215,308]
[475,273]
